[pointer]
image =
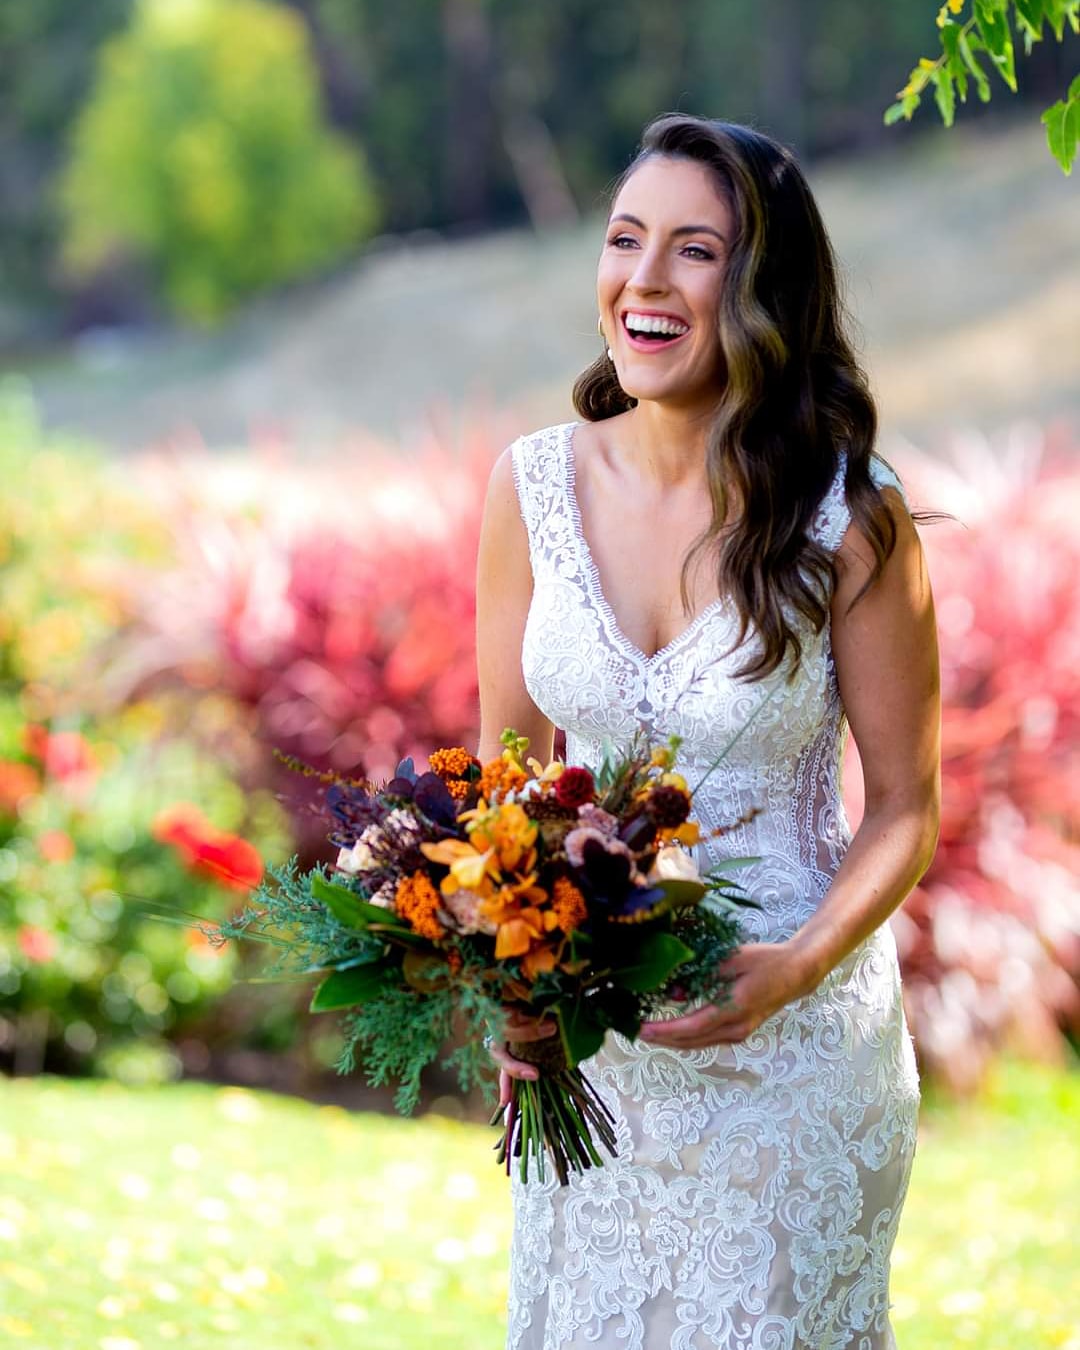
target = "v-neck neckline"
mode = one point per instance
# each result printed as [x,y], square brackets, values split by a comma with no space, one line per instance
[592,572]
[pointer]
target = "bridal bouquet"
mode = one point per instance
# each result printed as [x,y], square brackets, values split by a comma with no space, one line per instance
[470,890]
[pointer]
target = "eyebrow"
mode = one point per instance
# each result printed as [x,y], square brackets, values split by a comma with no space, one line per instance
[679,229]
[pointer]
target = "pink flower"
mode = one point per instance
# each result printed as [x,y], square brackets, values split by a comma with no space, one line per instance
[36,944]
[464,908]
[596,818]
[578,838]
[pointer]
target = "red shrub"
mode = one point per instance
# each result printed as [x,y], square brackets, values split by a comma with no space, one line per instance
[990,942]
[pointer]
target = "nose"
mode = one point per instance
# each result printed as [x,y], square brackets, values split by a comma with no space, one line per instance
[649,272]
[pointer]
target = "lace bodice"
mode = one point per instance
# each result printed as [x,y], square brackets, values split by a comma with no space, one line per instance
[588,678]
[759,1183]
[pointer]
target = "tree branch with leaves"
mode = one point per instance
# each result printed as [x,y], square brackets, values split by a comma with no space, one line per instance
[986,34]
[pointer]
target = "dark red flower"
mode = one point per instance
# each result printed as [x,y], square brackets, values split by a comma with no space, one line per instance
[574,787]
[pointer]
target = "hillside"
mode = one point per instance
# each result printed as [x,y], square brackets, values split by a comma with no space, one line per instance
[963,261]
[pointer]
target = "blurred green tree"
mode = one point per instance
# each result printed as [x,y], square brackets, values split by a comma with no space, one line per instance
[202,154]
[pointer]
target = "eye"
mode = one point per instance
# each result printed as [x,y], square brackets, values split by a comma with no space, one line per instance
[617,239]
[700,251]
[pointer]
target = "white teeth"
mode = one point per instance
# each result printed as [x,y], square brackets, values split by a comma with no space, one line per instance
[641,323]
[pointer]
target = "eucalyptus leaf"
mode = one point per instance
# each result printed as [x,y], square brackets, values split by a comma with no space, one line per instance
[581,1034]
[349,908]
[680,892]
[657,956]
[350,988]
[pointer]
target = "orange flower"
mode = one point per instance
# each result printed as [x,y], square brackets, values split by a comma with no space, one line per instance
[470,869]
[568,905]
[205,850]
[688,833]
[451,762]
[500,776]
[458,788]
[506,830]
[417,900]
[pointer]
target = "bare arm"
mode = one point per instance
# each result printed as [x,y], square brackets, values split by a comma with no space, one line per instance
[886,657]
[503,594]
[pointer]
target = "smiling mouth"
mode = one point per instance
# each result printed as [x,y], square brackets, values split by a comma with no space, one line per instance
[652,334]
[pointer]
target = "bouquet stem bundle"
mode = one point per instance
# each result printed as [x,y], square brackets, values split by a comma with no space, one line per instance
[559,1113]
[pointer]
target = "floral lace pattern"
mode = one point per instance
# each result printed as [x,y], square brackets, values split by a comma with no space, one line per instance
[759,1185]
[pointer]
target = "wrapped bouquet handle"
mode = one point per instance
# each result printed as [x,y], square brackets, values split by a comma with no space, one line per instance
[559,1113]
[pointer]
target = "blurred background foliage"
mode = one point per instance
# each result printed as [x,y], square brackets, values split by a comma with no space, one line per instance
[298,271]
[214,147]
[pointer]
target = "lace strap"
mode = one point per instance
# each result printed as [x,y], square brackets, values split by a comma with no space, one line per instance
[539,471]
[834,515]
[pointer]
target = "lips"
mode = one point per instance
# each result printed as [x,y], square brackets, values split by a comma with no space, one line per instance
[658,340]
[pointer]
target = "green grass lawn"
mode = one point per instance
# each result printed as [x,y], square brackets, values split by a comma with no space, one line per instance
[136,1219]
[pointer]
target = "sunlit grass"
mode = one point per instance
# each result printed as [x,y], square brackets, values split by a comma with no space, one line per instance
[132,1220]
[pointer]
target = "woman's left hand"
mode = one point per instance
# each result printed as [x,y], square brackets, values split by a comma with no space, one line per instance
[765,976]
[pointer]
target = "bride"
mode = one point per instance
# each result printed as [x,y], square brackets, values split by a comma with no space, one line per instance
[715,538]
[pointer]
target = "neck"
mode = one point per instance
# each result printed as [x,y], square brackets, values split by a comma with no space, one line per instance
[669,443]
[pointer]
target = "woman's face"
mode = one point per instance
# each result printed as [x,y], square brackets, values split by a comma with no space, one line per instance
[662,269]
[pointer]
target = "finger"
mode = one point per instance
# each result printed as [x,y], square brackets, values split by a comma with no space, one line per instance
[515,1068]
[504,1088]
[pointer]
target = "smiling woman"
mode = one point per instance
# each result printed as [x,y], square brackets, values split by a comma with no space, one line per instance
[714,552]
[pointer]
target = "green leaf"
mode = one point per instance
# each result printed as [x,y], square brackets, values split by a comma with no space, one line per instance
[1054,121]
[581,1034]
[944,95]
[1074,90]
[950,42]
[657,956]
[347,907]
[1062,121]
[1030,14]
[349,988]
[681,892]
[968,47]
[733,865]
[1055,14]
[994,30]
[894,113]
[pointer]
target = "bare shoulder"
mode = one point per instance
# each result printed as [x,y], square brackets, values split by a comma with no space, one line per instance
[855,557]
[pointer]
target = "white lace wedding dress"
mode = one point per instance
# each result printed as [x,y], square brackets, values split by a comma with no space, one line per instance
[758,1188]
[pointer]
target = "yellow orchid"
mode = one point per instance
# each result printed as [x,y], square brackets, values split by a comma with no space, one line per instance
[688,833]
[508,831]
[470,869]
[548,774]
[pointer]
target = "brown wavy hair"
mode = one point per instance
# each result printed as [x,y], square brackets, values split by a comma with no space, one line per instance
[795,398]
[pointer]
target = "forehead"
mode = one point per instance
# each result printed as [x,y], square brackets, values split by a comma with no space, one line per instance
[668,191]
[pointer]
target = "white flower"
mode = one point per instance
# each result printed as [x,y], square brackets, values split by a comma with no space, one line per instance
[384,896]
[674,864]
[403,821]
[360,858]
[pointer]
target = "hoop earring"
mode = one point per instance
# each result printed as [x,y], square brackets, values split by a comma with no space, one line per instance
[600,325]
